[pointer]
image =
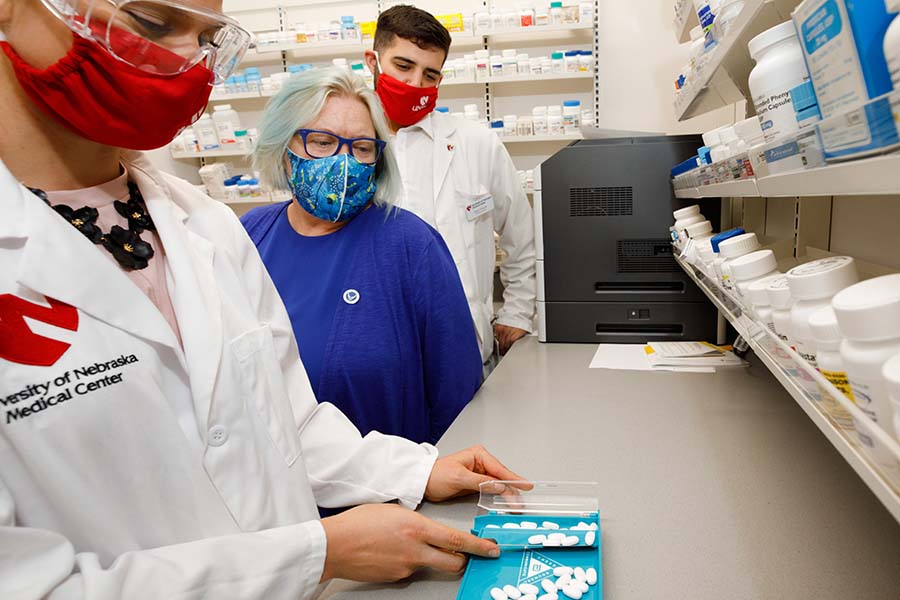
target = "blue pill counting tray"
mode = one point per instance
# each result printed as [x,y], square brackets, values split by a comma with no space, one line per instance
[503,510]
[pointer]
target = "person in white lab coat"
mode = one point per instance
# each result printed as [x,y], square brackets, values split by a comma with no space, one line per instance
[457,176]
[158,434]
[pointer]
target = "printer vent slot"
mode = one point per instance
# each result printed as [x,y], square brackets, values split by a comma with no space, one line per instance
[645,256]
[601,201]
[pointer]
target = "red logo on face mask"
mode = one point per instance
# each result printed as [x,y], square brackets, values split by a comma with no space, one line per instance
[19,344]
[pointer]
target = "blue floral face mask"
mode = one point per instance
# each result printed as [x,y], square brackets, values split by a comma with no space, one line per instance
[333,189]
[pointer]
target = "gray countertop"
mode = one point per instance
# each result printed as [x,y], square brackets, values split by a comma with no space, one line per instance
[714,486]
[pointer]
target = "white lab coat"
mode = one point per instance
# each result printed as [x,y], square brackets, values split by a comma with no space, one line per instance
[468,162]
[115,492]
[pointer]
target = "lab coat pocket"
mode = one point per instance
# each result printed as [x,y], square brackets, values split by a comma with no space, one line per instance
[263,387]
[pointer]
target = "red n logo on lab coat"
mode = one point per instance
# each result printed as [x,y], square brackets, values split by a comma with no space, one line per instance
[19,344]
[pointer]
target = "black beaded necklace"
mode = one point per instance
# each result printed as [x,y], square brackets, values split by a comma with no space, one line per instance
[126,245]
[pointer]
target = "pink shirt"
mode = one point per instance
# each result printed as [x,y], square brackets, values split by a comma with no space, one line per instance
[150,280]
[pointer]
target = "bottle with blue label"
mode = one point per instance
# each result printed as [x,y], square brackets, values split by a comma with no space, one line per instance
[843,43]
[706,13]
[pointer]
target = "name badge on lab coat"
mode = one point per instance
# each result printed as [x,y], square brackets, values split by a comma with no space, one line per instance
[479,206]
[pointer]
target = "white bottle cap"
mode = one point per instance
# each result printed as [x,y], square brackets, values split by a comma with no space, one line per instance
[753,265]
[824,327]
[222,107]
[688,221]
[738,245]
[822,278]
[779,293]
[757,293]
[749,130]
[682,212]
[509,53]
[869,311]
[891,373]
[698,229]
[768,38]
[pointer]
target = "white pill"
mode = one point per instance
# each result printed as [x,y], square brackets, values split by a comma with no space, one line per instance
[550,525]
[560,571]
[579,574]
[498,594]
[583,525]
[563,581]
[537,540]
[548,586]
[549,597]
[581,585]
[594,526]
[511,526]
[492,527]
[552,543]
[527,588]
[591,576]
[589,538]
[570,591]
[512,592]
[528,525]
[556,536]
[571,540]
[528,597]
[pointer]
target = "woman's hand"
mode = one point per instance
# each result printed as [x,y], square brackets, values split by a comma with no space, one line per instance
[386,542]
[461,473]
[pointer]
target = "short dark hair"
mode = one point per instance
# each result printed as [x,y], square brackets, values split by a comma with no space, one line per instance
[413,24]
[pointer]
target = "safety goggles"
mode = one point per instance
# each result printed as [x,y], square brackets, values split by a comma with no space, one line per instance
[165,37]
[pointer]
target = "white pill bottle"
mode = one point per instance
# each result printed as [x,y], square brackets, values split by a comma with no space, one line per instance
[892,43]
[827,335]
[751,268]
[780,299]
[813,285]
[868,314]
[780,67]
[697,236]
[733,248]
[891,374]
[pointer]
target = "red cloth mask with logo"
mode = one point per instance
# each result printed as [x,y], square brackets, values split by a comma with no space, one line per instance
[110,102]
[405,104]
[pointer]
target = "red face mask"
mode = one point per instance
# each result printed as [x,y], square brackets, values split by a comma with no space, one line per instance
[111,102]
[405,104]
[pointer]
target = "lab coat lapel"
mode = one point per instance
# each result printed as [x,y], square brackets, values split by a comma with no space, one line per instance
[444,150]
[59,262]
[192,288]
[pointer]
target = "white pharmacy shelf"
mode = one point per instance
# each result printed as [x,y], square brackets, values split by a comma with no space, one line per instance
[874,176]
[519,78]
[685,20]
[315,48]
[238,96]
[512,139]
[211,154]
[466,38]
[754,333]
[722,79]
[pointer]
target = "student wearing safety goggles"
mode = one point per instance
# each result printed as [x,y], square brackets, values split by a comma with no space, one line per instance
[457,177]
[158,434]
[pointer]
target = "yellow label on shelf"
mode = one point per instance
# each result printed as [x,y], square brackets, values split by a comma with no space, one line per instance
[367,29]
[452,22]
[839,380]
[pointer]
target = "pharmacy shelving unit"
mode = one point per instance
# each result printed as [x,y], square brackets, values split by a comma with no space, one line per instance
[762,342]
[685,20]
[845,208]
[722,78]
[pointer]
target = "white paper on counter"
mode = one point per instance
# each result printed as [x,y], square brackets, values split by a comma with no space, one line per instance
[632,357]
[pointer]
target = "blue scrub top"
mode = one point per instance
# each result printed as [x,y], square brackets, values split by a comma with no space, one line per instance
[380,317]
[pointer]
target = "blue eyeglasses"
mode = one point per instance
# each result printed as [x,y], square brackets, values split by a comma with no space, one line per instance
[322,144]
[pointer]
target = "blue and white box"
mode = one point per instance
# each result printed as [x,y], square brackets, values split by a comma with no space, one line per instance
[842,42]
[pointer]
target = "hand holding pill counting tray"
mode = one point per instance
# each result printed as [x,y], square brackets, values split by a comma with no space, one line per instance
[549,537]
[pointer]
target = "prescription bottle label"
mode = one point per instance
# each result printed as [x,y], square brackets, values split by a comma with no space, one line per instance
[831,406]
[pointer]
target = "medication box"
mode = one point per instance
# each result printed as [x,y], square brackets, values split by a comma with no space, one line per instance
[842,42]
[549,535]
